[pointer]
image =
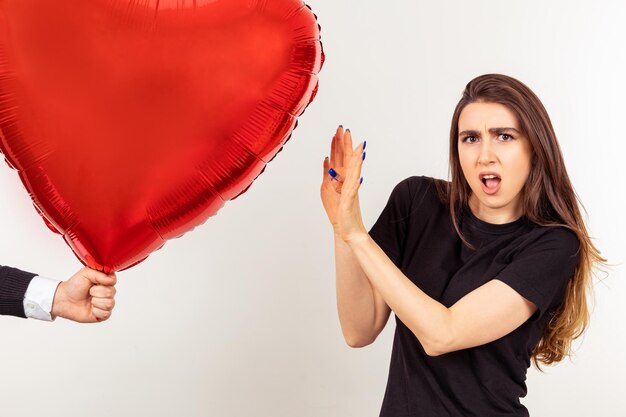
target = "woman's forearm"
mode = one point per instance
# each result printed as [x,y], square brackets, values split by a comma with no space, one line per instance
[428,319]
[355,298]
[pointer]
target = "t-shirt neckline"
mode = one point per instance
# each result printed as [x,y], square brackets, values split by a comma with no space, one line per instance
[492,228]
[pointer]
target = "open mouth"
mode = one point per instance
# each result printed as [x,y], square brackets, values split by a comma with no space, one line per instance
[491,183]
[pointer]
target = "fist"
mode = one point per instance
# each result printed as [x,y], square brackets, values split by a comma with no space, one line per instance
[87,297]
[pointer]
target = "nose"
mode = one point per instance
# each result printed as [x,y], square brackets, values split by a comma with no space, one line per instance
[486,155]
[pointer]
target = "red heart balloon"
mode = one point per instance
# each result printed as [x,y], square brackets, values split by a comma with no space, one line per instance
[130,122]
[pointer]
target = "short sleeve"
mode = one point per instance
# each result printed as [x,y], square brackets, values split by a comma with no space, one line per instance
[389,231]
[542,266]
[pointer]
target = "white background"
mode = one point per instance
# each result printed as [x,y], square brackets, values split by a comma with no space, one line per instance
[238,318]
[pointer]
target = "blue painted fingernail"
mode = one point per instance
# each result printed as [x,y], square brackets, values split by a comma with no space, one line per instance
[364,153]
[347,130]
[361,181]
[326,159]
[332,173]
[364,145]
[341,126]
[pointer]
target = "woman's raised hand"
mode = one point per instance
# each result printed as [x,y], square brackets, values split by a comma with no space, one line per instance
[331,186]
[341,183]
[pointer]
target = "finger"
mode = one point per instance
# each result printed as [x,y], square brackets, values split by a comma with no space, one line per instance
[99,278]
[326,167]
[333,151]
[353,176]
[338,176]
[328,180]
[104,304]
[100,315]
[339,135]
[102,291]
[347,147]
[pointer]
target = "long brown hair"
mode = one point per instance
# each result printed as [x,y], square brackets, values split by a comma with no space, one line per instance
[548,199]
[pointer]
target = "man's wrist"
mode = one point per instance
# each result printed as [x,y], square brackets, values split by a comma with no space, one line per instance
[57,303]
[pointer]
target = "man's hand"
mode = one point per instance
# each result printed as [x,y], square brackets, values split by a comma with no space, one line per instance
[87,297]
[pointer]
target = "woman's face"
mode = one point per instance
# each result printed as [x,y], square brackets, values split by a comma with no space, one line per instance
[496,161]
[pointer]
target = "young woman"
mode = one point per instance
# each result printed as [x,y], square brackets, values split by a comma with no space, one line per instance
[483,273]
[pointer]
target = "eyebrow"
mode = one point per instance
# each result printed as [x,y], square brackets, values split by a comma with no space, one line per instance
[493,130]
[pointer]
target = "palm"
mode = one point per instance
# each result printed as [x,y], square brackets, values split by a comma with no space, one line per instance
[331,195]
[330,190]
[340,189]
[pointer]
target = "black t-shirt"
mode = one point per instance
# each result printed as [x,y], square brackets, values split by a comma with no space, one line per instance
[416,232]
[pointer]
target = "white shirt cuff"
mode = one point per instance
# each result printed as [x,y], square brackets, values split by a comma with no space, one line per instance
[39,297]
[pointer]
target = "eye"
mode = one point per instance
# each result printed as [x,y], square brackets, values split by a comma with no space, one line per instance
[470,139]
[505,137]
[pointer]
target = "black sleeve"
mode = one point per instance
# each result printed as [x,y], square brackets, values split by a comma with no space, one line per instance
[13,285]
[389,231]
[541,268]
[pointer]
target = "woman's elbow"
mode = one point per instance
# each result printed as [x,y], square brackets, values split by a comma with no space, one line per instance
[432,351]
[438,347]
[356,341]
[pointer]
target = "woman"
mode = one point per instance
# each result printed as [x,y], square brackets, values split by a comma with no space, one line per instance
[483,273]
